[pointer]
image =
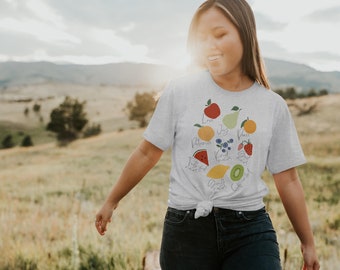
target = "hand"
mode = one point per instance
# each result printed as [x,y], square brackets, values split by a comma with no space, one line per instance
[310,258]
[103,217]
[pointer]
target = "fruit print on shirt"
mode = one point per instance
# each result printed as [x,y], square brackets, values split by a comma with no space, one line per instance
[202,156]
[212,110]
[205,133]
[230,120]
[222,146]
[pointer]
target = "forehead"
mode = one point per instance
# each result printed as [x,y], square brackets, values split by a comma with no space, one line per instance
[213,18]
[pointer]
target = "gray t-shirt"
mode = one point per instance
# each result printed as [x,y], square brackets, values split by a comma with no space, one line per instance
[221,142]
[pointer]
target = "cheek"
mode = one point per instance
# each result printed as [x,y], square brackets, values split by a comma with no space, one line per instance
[231,43]
[200,53]
[234,50]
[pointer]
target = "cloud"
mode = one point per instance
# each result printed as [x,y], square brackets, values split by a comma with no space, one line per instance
[324,60]
[321,60]
[44,13]
[25,44]
[41,31]
[36,19]
[264,22]
[119,46]
[154,31]
[331,15]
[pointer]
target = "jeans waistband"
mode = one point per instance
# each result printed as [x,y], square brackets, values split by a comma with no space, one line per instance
[216,211]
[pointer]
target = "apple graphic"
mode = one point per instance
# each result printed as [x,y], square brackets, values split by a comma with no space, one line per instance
[212,110]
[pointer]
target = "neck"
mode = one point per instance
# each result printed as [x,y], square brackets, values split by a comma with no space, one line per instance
[234,83]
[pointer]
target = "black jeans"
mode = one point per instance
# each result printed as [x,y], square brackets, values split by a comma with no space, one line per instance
[224,240]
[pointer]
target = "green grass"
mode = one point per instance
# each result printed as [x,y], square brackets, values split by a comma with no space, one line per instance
[18,131]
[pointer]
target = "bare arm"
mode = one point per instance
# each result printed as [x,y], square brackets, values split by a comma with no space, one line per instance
[291,192]
[144,158]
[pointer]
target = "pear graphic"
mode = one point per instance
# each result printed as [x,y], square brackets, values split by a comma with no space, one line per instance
[230,120]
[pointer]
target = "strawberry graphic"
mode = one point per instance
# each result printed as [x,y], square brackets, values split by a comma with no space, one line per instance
[248,148]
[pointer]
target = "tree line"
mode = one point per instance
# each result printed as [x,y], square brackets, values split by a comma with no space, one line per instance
[292,93]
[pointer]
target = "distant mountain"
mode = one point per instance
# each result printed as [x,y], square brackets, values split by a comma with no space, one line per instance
[19,73]
[281,74]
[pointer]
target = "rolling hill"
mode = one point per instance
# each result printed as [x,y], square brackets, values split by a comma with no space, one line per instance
[281,74]
[124,74]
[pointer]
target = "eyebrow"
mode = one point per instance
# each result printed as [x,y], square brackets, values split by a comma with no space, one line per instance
[218,27]
[213,29]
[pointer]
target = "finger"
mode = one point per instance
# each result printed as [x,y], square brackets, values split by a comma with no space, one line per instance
[102,226]
[308,267]
[98,226]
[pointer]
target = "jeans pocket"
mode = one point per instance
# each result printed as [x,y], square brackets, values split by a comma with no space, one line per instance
[176,217]
[254,215]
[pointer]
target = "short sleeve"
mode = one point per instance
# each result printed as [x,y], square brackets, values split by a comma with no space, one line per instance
[285,150]
[161,129]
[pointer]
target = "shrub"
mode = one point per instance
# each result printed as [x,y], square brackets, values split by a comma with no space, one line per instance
[36,107]
[93,130]
[27,141]
[291,93]
[140,107]
[90,259]
[68,120]
[7,142]
[26,111]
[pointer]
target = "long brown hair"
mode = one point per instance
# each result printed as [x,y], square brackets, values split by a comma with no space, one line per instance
[241,15]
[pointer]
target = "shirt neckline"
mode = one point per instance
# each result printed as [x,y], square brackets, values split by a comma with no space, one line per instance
[229,92]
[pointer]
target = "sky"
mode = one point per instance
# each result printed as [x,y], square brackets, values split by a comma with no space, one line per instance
[155,31]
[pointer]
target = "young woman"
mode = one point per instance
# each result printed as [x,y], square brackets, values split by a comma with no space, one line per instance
[225,126]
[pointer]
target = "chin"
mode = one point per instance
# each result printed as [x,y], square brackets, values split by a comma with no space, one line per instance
[217,72]
[216,69]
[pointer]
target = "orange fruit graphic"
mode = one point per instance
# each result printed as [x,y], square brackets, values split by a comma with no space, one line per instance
[249,126]
[205,133]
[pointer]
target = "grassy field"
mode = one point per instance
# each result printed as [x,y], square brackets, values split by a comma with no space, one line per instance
[49,196]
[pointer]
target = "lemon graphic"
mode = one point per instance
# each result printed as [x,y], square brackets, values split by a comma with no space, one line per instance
[218,171]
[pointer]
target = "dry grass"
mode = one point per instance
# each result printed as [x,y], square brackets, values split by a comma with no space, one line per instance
[49,197]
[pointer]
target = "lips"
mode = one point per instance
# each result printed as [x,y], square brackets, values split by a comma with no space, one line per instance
[214,57]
